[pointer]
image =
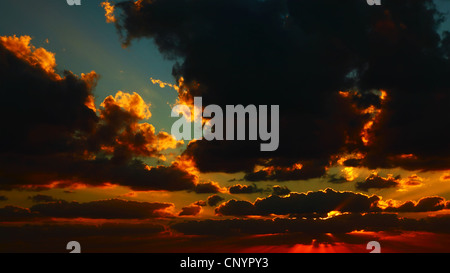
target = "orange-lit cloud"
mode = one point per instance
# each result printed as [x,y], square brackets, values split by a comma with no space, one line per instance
[132,103]
[22,48]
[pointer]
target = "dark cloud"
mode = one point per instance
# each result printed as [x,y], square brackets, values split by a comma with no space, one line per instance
[200,203]
[55,133]
[42,198]
[301,203]
[244,189]
[432,203]
[375,181]
[337,47]
[280,190]
[103,209]
[230,61]
[53,238]
[336,225]
[94,172]
[207,187]
[14,213]
[215,199]
[3,198]
[337,179]
[191,210]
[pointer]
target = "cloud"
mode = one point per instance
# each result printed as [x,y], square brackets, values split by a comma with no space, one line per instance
[215,199]
[300,203]
[72,141]
[120,133]
[244,189]
[375,181]
[37,57]
[208,187]
[338,179]
[52,238]
[191,210]
[200,203]
[96,172]
[342,224]
[3,198]
[15,213]
[445,177]
[109,11]
[280,190]
[360,53]
[103,209]
[41,198]
[425,204]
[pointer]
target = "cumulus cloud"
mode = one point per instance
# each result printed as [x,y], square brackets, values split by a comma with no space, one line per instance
[103,209]
[56,137]
[375,181]
[244,189]
[353,47]
[50,237]
[191,210]
[430,203]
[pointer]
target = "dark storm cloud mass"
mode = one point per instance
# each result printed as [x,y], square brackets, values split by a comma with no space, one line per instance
[300,203]
[53,133]
[103,209]
[299,54]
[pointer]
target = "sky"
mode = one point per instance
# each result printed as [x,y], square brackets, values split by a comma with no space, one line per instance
[87,152]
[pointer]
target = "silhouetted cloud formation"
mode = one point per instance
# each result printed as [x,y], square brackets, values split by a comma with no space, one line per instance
[280,190]
[42,198]
[336,225]
[191,210]
[103,209]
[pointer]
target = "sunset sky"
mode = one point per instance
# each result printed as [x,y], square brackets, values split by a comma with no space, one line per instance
[87,155]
